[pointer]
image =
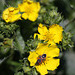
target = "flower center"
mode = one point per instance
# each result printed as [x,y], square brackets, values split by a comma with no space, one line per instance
[48,36]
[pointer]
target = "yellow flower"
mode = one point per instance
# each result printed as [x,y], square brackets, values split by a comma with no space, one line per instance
[30,9]
[49,63]
[11,14]
[52,35]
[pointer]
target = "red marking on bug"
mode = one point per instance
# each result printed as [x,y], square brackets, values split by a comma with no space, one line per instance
[40,59]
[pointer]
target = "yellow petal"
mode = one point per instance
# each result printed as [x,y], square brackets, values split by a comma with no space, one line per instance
[52,64]
[6,11]
[38,6]
[39,44]
[15,17]
[52,51]
[33,16]
[25,15]
[32,58]
[11,8]
[41,37]
[21,7]
[56,31]
[42,69]
[41,49]
[16,10]
[26,7]
[35,34]
[35,7]
[42,29]
[5,14]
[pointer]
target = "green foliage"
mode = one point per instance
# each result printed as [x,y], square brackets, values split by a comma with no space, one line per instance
[49,15]
[18,73]
[31,44]
[6,30]
[67,42]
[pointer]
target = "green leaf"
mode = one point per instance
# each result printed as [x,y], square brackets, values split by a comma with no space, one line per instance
[26,69]
[19,42]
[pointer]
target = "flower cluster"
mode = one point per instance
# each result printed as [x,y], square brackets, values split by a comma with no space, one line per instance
[40,53]
[27,10]
[43,57]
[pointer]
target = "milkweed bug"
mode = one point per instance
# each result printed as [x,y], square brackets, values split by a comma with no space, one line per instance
[40,59]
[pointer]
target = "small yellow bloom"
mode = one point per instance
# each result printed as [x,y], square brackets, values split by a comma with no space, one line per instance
[52,35]
[30,9]
[49,63]
[11,14]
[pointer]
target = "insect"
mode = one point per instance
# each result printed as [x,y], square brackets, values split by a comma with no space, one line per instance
[40,59]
